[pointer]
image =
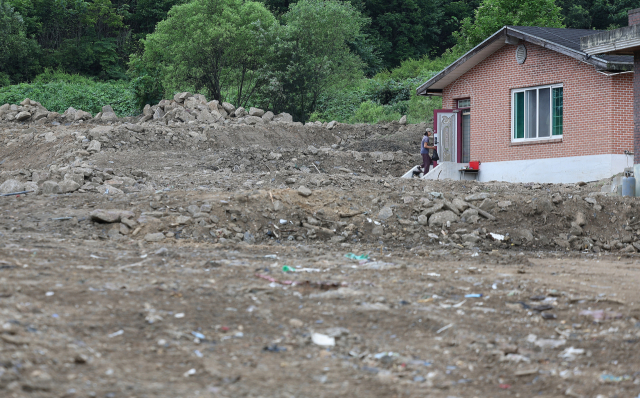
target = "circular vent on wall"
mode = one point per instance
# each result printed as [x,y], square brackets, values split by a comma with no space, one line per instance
[521,54]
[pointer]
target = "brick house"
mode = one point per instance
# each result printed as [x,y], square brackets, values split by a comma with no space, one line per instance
[532,107]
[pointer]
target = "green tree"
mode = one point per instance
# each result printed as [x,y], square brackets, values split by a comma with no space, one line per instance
[494,14]
[18,53]
[215,45]
[312,54]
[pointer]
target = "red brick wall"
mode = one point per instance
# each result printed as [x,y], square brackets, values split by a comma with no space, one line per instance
[598,109]
[634,16]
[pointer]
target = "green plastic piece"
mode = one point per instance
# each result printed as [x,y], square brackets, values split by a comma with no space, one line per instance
[356,257]
[286,268]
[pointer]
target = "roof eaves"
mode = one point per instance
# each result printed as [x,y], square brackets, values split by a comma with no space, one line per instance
[423,87]
[599,63]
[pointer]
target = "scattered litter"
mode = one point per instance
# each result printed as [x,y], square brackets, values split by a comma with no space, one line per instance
[274,348]
[320,285]
[323,340]
[179,315]
[49,294]
[356,257]
[607,378]
[272,256]
[433,274]
[473,295]
[198,353]
[571,353]
[115,334]
[283,221]
[601,315]
[497,237]
[189,372]
[287,268]
[442,329]
[198,335]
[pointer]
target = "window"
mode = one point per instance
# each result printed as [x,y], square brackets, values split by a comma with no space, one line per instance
[536,112]
[464,103]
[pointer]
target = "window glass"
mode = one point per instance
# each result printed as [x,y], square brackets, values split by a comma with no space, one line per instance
[519,115]
[557,111]
[464,103]
[544,112]
[466,136]
[530,115]
[537,112]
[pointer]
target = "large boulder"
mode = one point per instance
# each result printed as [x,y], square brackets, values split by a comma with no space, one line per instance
[11,186]
[251,120]
[268,116]
[158,114]
[22,116]
[50,188]
[403,120]
[110,216]
[147,111]
[256,112]
[108,114]
[283,117]
[441,218]
[181,97]
[228,108]
[94,146]
[67,186]
[241,112]
[82,115]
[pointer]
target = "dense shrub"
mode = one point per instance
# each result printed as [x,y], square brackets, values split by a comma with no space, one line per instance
[57,91]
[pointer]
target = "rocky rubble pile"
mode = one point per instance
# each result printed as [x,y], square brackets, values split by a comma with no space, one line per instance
[183,108]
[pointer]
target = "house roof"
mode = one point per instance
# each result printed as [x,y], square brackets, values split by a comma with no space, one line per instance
[565,41]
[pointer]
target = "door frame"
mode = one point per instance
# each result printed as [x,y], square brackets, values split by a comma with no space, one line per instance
[458,129]
[458,112]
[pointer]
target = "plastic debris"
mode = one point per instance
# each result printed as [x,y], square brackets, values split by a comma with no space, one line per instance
[497,237]
[601,315]
[189,372]
[16,193]
[115,334]
[607,378]
[473,295]
[571,353]
[323,340]
[274,348]
[352,256]
[179,315]
[198,335]
[286,268]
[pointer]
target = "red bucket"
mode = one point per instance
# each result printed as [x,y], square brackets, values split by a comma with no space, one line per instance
[474,165]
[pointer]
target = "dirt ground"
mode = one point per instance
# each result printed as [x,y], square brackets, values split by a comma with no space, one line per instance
[199,267]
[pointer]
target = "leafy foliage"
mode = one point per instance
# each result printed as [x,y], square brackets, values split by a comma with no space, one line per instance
[16,49]
[211,44]
[75,91]
[494,14]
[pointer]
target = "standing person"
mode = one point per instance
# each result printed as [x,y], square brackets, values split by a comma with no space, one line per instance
[426,150]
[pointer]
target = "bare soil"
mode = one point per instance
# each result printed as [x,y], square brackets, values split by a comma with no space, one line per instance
[187,296]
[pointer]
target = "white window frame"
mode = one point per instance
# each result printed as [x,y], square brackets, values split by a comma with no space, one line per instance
[513,113]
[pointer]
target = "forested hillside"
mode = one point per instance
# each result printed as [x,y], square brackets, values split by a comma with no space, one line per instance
[353,61]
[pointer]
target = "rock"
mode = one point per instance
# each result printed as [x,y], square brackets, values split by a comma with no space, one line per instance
[82,115]
[22,116]
[441,219]
[470,216]
[312,150]
[487,205]
[290,181]
[304,191]
[460,204]
[385,213]
[157,237]
[158,114]
[378,230]
[477,196]
[31,186]
[423,220]
[504,204]
[147,111]
[249,238]
[283,117]
[470,238]
[241,112]
[67,186]
[110,216]
[524,234]
[228,108]
[253,120]
[109,190]
[94,146]
[591,201]
[278,206]
[268,116]
[183,220]
[50,188]
[11,186]
[580,219]
[50,137]
[403,120]
[256,112]
[78,178]
[296,323]
[181,97]
[331,125]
